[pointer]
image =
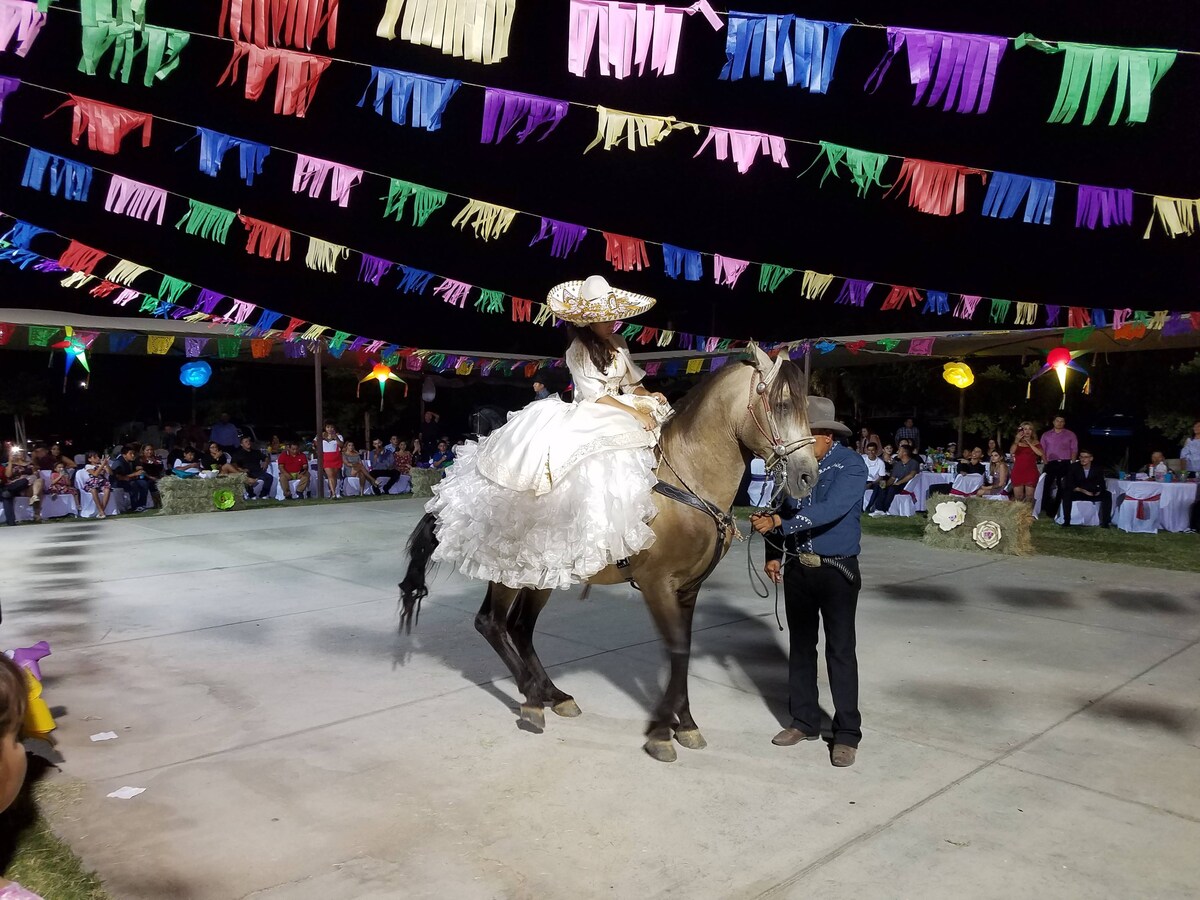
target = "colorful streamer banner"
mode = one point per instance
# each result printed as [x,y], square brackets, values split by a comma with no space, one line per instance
[627,35]
[804,51]
[945,64]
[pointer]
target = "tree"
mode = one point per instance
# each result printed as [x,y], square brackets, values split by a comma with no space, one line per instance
[1165,414]
[20,396]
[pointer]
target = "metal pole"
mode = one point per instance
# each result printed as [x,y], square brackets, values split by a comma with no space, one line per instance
[962,407]
[807,367]
[320,404]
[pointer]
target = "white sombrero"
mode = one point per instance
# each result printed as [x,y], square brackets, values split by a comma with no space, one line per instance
[595,300]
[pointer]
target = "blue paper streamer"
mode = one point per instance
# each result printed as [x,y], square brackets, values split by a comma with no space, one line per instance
[72,179]
[1006,191]
[427,94]
[676,260]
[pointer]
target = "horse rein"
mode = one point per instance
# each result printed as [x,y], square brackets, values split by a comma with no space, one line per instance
[776,461]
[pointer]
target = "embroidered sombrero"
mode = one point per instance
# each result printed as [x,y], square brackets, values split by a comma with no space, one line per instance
[595,300]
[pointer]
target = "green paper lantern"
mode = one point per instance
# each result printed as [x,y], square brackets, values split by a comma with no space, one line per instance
[223,499]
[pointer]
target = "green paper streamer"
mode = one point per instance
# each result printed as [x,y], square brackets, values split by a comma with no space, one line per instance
[149,304]
[338,340]
[239,330]
[392,359]
[1138,74]
[1077,335]
[1000,310]
[426,201]
[723,344]
[39,335]
[436,360]
[490,301]
[206,221]
[228,348]
[125,32]
[629,332]
[770,277]
[865,167]
[888,344]
[173,288]
[1141,317]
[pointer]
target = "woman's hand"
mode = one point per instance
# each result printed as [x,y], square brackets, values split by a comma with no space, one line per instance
[648,421]
[661,398]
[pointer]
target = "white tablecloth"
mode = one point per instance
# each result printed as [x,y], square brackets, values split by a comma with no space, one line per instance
[1175,506]
[921,483]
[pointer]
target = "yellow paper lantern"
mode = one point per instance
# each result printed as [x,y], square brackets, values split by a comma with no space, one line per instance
[958,374]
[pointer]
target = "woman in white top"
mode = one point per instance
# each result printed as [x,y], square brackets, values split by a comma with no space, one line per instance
[331,456]
[562,489]
[1190,454]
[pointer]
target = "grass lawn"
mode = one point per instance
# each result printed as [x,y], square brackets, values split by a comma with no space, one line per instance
[39,861]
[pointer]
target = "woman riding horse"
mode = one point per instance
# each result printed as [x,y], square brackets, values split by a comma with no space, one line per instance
[565,493]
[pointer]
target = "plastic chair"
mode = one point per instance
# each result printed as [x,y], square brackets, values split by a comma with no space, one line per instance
[1084,511]
[903,504]
[350,486]
[87,506]
[966,485]
[867,495]
[1140,511]
[760,483]
[402,485]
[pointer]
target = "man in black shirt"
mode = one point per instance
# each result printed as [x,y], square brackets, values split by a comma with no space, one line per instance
[972,464]
[254,463]
[1085,484]
[128,474]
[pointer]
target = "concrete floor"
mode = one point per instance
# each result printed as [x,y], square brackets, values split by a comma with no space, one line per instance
[1031,726]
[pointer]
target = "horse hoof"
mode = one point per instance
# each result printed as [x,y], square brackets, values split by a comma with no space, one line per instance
[663,751]
[533,717]
[568,709]
[691,738]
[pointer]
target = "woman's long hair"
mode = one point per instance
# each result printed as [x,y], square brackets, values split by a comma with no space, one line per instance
[600,350]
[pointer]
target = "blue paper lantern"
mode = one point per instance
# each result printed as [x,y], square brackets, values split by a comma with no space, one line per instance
[195,374]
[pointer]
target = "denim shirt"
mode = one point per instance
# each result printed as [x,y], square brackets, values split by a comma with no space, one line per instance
[826,522]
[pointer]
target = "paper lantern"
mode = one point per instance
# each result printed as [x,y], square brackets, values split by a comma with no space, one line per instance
[429,390]
[75,349]
[1059,360]
[958,374]
[223,499]
[383,374]
[195,374]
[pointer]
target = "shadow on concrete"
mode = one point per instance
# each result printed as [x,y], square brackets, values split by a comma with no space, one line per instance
[954,697]
[750,644]
[1034,598]
[1167,718]
[1144,601]
[920,592]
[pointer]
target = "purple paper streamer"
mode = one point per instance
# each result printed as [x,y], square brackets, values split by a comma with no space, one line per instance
[955,65]
[295,349]
[1178,323]
[1052,314]
[373,268]
[1103,206]
[120,340]
[717,362]
[8,85]
[194,346]
[854,292]
[358,344]
[565,237]
[920,346]
[502,110]
[208,301]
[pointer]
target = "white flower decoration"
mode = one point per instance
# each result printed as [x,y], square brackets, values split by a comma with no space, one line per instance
[987,534]
[949,514]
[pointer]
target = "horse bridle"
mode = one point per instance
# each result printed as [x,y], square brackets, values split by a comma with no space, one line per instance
[776,461]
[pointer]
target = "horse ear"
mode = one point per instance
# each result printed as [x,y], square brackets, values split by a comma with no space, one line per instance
[762,362]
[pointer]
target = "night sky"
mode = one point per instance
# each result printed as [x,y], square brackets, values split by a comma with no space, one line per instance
[659,193]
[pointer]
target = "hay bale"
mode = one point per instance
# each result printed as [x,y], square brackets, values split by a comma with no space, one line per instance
[195,495]
[423,481]
[1014,519]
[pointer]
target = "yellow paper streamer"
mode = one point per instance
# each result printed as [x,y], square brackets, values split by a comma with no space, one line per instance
[1177,216]
[488,220]
[1158,320]
[1026,313]
[323,256]
[614,127]
[124,272]
[694,366]
[665,338]
[473,29]
[814,285]
[159,344]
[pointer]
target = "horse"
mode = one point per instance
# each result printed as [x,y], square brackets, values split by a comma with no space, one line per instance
[749,408]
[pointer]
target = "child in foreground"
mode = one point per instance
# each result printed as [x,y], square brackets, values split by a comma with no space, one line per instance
[13,701]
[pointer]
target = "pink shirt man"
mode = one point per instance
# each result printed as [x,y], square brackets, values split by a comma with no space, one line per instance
[1059,444]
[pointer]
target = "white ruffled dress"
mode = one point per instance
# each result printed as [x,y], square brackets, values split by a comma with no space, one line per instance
[558,492]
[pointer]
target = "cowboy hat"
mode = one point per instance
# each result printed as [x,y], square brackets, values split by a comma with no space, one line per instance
[821,416]
[595,300]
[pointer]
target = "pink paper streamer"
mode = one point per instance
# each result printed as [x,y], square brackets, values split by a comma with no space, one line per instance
[312,173]
[20,19]
[727,270]
[629,34]
[745,147]
[966,306]
[453,292]
[127,197]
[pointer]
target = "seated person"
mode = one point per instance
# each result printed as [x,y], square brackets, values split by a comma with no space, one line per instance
[217,460]
[888,454]
[904,470]
[42,459]
[60,482]
[353,467]
[52,457]
[971,464]
[999,478]
[876,467]
[98,483]
[418,453]
[128,474]
[1158,465]
[443,458]
[22,479]
[153,468]
[186,465]
[912,452]
[293,466]
[1085,484]
[382,459]
[252,463]
[275,446]
[402,460]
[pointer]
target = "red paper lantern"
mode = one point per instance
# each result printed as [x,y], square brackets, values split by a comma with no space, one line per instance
[1059,356]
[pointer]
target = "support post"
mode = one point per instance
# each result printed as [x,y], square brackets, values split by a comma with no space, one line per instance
[962,407]
[807,367]
[320,404]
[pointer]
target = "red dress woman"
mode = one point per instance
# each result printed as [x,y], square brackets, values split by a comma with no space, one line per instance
[1025,453]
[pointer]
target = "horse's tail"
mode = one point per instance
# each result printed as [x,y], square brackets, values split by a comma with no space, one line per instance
[421,544]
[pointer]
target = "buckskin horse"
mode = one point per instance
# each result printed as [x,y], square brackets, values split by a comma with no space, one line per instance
[750,408]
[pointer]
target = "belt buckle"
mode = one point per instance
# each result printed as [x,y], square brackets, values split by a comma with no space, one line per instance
[810,560]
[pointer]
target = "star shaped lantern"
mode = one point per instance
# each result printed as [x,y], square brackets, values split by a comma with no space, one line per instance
[383,374]
[75,349]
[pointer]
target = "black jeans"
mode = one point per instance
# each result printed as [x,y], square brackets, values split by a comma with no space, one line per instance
[137,489]
[381,474]
[15,488]
[1105,501]
[1054,489]
[823,593]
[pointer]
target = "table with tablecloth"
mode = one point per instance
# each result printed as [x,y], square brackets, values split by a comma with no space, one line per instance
[1175,503]
[921,484]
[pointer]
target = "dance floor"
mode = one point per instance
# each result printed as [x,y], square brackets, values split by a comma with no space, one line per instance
[1032,727]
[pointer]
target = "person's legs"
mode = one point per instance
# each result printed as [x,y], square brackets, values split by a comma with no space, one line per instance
[301,482]
[802,603]
[1067,500]
[839,601]
[103,502]
[883,502]
[137,493]
[13,489]
[268,482]
[1106,500]
[331,479]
